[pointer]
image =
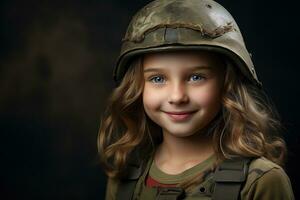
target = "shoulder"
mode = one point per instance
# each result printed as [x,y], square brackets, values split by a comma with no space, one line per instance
[134,174]
[262,169]
[259,166]
[266,180]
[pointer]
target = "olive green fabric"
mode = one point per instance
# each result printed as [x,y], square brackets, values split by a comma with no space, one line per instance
[265,180]
[164,178]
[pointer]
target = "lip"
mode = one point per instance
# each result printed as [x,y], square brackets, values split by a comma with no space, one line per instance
[180,116]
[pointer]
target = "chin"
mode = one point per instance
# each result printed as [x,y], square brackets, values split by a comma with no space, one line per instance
[181,132]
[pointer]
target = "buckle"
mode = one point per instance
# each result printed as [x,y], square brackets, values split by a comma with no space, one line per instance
[170,193]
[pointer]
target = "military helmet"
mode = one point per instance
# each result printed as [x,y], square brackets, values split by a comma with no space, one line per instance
[171,25]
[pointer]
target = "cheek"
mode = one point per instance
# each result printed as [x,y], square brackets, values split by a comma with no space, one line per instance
[208,96]
[151,98]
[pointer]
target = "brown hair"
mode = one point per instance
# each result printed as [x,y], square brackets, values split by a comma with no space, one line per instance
[125,126]
[247,126]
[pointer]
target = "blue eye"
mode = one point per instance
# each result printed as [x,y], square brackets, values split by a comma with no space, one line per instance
[196,78]
[157,79]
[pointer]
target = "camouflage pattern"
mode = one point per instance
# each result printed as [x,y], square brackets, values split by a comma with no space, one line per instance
[171,25]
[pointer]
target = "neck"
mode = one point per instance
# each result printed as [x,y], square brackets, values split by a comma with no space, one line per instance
[178,150]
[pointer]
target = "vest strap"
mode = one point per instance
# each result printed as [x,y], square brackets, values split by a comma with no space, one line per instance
[126,189]
[229,177]
[128,183]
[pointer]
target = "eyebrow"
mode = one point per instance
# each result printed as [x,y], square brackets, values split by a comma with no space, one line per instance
[194,68]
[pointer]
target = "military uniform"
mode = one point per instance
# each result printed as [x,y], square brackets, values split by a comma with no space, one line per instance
[266,180]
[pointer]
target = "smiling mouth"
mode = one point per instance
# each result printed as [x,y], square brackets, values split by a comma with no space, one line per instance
[180,116]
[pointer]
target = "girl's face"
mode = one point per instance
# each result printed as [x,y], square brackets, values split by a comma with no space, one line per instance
[182,90]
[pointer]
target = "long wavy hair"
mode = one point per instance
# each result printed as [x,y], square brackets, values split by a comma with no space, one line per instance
[248,125]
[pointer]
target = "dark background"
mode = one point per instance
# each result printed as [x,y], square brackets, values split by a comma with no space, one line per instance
[56,60]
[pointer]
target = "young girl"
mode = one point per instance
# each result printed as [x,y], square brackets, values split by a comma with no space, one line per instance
[188,118]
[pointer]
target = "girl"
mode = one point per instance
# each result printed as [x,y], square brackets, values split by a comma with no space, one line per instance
[188,118]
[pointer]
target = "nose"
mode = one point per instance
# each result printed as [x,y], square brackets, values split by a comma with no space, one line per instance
[178,94]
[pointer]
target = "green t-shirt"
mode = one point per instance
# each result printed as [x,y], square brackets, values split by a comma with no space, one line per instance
[164,178]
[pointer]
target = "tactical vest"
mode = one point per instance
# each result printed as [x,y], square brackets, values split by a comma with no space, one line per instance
[229,178]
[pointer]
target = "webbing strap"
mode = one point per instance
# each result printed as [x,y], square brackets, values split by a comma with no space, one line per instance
[126,189]
[229,178]
[127,184]
[170,193]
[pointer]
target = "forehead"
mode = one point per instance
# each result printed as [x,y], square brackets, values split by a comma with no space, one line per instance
[182,58]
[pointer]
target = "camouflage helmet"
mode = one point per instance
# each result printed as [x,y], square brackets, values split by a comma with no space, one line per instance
[171,25]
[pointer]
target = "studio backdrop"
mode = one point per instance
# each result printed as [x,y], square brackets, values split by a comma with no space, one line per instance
[56,61]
